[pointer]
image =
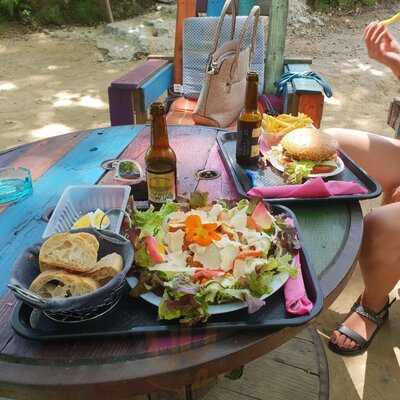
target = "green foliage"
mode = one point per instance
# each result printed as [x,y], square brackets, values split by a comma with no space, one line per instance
[11,9]
[85,12]
[344,4]
[51,15]
[60,12]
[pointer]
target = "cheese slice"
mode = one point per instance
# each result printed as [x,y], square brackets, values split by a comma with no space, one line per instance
[174,240]
[208,256]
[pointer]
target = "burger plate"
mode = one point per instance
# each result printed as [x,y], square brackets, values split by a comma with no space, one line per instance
[280,167]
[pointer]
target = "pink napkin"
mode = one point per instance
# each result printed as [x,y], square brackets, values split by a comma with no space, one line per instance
[296,300]
[312,188]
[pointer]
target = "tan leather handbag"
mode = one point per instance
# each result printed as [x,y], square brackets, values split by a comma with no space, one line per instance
[223,93]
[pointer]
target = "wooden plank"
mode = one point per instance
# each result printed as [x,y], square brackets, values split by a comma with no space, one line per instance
[31,155]
[185,9]
[221,187]
[304,95]
[21,224]
[292,371]
[304,335]
[320,225]
[135,78]
[41,155]
[214,8]
[222,393]
[201,6]
[275,44]
[7,157]
[121,106]
[179,137]
[157,85]
[298,354]
[311,105]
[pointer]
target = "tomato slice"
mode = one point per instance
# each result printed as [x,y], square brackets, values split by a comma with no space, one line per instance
[323,169]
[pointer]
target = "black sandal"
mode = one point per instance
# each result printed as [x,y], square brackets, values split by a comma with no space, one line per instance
[362,344]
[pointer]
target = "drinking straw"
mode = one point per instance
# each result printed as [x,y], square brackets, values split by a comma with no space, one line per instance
[392,20]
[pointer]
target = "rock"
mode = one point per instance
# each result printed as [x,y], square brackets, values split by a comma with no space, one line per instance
[99,58]
[300,14]
[137,37]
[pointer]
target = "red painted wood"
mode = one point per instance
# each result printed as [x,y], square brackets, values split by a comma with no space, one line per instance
[185,9]
[135,78]
[223,187]
[191,146]
[39,156]
[312,105]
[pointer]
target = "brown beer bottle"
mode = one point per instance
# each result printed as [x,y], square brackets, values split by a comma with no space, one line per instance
[249,125]
[160,160]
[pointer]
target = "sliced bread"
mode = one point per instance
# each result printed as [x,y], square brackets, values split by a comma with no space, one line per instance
[106,268]
[69,251]
[57,283]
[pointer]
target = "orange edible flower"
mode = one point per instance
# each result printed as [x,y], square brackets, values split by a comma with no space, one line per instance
[202,234]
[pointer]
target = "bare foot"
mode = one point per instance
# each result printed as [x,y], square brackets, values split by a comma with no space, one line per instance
[357,323]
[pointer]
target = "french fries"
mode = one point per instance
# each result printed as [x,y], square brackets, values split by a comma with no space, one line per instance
[391,21]
[285,123]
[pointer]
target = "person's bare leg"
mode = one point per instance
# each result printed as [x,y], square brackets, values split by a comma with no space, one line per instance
[380,267]
[378,155]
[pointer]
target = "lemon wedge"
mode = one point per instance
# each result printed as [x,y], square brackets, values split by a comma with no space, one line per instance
[83,222]
[97,219]
[100,220]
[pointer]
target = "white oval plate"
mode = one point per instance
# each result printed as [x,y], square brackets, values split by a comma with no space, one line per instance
[280,167]
[278,281]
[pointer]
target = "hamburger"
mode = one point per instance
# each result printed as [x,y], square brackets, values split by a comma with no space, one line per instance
[306,151]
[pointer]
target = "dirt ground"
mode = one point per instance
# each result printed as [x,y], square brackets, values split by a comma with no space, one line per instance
[50,86]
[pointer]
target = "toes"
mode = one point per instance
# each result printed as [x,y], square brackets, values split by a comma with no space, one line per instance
[334,337]
[348,343]
[353,345]
[341,340]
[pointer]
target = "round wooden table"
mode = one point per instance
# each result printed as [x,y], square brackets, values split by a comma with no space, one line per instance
[121,367]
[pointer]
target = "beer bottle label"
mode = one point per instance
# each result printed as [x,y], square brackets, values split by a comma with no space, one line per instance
[256,132]
[255,150]
[161,187]
[247,145]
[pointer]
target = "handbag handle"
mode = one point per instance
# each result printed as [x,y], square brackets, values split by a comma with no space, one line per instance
[232,5]
[254,13]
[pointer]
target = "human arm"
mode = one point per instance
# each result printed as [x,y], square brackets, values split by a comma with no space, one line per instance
[382,46]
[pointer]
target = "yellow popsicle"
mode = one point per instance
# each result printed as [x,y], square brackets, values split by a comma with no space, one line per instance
[392,20]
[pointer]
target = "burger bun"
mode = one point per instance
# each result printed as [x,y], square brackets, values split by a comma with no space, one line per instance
[309,144]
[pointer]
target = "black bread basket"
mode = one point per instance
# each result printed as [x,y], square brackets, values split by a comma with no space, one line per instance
[78,308]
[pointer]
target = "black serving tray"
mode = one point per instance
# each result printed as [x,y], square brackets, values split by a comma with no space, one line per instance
[352,172]
[135,316]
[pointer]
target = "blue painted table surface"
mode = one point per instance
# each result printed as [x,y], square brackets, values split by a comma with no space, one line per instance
[332,236]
